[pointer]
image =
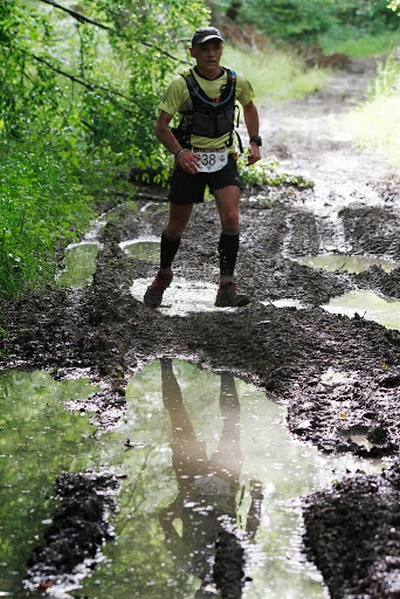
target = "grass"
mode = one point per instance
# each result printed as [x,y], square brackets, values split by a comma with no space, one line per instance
[358,43]
[275,76]
[376,124]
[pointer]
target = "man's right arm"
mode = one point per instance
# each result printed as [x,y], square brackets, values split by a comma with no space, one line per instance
[164,134]
[187,159]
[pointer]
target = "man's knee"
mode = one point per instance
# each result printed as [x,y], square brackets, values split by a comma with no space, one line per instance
[172,233]
[230,219]
[178,220]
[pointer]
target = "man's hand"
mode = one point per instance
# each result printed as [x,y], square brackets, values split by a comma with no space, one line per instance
[254,154]
[189,161]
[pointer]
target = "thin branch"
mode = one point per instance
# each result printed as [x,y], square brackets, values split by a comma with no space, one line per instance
[83,19]
[89,86]
[77,15]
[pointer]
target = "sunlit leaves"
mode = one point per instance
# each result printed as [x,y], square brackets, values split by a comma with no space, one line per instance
[394,5]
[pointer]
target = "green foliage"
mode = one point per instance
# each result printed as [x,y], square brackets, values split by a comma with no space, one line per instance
[26,86]
[99,69]
[275,75]
[289,19]
[305,20]
[387,80]
[373,16]
[358,43]
[265,174]
[79,90]
[42,204]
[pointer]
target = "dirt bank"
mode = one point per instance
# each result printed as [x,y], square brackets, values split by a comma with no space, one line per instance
[286,351]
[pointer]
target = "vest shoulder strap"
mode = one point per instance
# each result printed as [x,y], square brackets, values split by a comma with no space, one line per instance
[228,95]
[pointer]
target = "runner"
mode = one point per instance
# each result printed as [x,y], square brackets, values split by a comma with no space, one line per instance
[203,146]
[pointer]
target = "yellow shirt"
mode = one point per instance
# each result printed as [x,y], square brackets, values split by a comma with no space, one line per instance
[177,95]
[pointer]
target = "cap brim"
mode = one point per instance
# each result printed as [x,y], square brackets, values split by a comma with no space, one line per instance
[209,37]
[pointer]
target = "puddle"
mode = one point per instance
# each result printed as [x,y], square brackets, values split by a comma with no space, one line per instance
[366,304]
[225,434]
[351,264]
[333,377]
[143,248]
[249,441]
[285,303]
[80,258]
[182,297]
[80,264]
[369,306]
[39,439]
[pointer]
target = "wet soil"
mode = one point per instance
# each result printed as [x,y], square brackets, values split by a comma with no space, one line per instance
[352,530]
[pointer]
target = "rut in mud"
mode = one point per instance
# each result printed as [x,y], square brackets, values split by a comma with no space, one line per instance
[285,351]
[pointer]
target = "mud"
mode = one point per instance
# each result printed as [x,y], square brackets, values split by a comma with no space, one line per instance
[352,529]
[79,528]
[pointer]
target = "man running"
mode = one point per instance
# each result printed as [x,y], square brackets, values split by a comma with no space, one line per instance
[205,155]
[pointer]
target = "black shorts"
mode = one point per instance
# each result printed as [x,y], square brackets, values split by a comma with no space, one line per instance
[189,189]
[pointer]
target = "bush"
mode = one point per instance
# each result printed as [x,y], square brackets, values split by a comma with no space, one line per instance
[42,204]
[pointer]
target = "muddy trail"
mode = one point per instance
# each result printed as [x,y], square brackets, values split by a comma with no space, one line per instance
[352,529]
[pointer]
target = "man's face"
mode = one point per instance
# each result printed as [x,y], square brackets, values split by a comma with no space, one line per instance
[207,55]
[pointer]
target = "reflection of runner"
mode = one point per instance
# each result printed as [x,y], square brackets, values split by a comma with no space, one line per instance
[207,488]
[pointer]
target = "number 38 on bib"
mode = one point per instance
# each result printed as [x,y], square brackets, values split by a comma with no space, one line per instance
[212,160]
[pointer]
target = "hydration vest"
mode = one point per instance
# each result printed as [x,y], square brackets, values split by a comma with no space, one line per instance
[208,117]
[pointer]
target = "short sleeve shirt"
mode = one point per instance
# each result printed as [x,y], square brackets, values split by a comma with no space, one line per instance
[177,96]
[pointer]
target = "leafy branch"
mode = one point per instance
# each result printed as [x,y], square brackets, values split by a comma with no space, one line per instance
[77,15]
[84,19]
[90,86]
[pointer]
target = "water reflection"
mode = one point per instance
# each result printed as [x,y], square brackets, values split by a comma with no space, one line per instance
[39,439]
[369,306]
[144,562]
[208,489]
[181,421]
[351,264]
[143,249]
[79,264]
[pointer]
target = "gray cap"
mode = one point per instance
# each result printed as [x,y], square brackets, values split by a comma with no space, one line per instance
[204,34]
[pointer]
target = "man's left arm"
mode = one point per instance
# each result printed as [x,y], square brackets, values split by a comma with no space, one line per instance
[251,120]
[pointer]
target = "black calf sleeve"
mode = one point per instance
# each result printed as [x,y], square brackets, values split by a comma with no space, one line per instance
[168,250]
[228,250]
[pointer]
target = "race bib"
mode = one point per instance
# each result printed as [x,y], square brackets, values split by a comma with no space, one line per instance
[212,160]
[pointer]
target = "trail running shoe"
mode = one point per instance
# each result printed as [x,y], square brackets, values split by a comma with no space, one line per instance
[154,293]
[228,295]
